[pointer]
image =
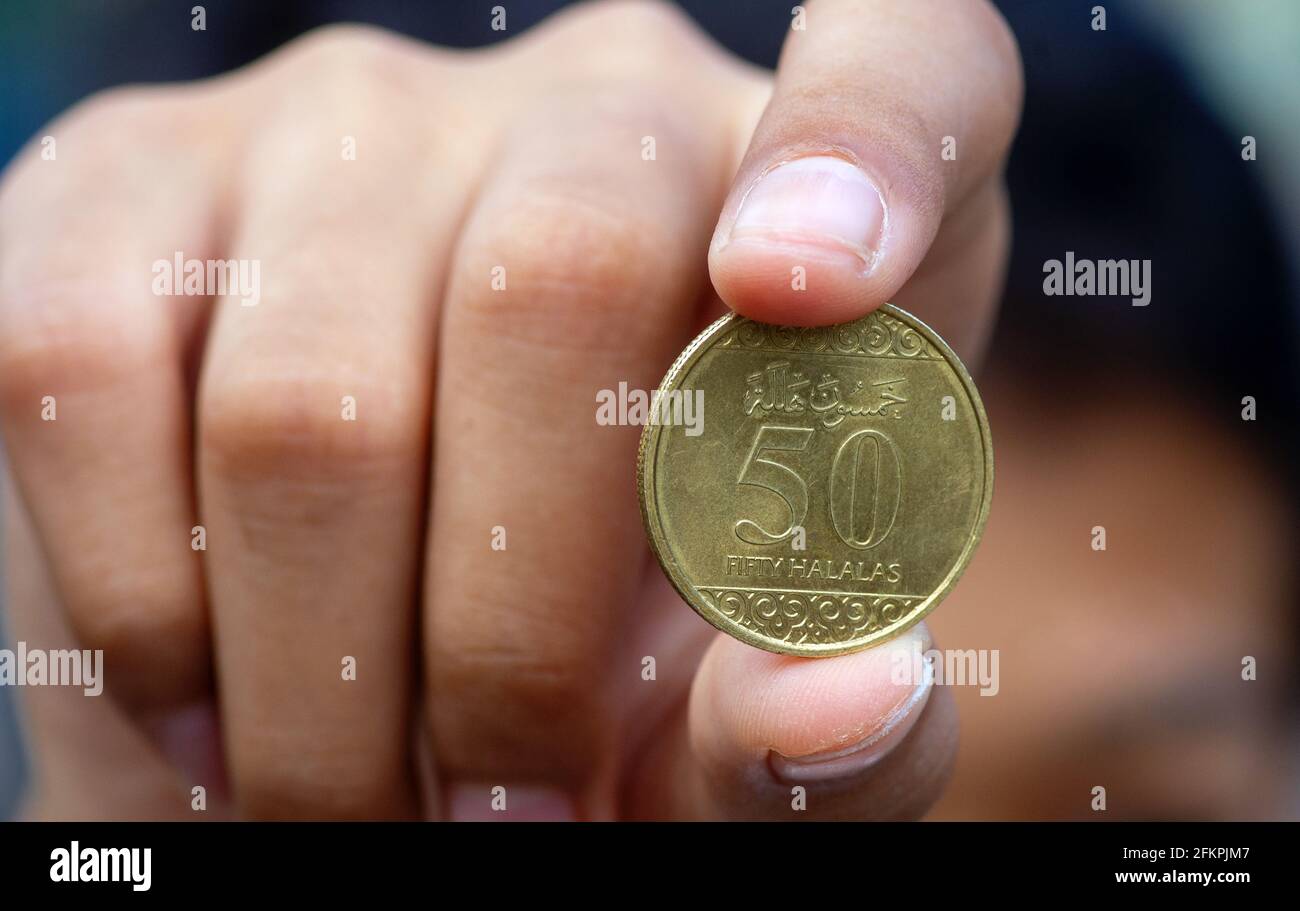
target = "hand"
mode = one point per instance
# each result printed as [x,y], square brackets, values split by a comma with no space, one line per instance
[503,246]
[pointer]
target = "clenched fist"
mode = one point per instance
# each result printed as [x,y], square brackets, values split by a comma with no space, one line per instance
[354,544]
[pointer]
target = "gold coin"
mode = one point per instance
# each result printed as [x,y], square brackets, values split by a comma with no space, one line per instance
[815,491]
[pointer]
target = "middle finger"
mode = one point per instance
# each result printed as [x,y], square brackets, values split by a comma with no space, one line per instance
[313,425]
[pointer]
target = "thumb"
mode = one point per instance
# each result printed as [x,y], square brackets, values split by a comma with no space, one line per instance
[846,183]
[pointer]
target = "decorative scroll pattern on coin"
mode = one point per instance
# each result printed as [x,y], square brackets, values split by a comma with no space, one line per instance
[811,617]
[876,335]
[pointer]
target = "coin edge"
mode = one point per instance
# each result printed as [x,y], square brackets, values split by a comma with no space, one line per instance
[645,494]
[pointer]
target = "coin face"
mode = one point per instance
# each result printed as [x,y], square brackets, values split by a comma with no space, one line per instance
[815,491]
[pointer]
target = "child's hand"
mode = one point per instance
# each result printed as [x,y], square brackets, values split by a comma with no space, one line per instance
[517,229]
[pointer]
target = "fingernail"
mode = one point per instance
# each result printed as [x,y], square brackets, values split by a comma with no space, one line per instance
[514,803]
[880,738]
[819,202]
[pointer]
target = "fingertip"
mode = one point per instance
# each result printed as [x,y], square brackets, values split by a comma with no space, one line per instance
[809,715]
[790,285]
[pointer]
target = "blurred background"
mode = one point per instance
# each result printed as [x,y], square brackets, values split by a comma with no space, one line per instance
[1119,668]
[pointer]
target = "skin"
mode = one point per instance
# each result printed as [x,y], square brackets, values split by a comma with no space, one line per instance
[476,668]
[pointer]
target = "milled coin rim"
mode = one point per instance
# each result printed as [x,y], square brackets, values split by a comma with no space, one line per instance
[650,513]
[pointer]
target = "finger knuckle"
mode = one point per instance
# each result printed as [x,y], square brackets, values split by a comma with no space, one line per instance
[341,61]
[355,80]
[62,334]
[652,24]
[342,47]
[503,696]
[104,134]
[299,422]
[279,781]
[576,271]
[631,37]
[131,619]
[117,112]
[554,682]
